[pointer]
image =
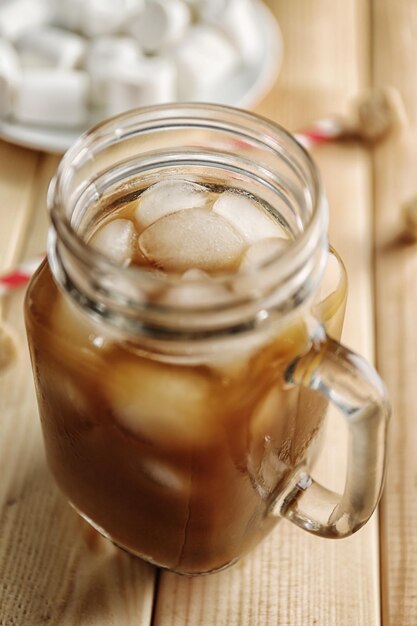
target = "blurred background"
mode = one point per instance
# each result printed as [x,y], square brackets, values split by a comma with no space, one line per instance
[66,64]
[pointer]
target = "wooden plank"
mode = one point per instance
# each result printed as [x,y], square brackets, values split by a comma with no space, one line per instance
[54,569]
[394,62]
[36,231]
[293,579]
[17,175]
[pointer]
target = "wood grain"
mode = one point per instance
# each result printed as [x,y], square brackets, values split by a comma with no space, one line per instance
[293,579]
[54,569]
[17,175]
[395,162]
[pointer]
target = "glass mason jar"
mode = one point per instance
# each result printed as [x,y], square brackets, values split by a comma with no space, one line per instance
[182,424]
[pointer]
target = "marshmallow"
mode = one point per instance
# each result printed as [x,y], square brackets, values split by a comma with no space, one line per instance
[150,81]
[9,76]
[20,15]
[161,23]
[106,17]
[95,17]
[53,97]
[51,47]
[240,23]
[209,9]
[67,13]
[205,58]
[104,57]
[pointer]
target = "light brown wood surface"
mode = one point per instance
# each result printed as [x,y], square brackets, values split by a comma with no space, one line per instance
[54,570]
[395,166]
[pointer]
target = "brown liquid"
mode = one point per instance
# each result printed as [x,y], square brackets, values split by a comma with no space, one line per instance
[178,463]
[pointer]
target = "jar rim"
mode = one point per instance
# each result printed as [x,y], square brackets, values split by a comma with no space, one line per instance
[275,138]
[112,127]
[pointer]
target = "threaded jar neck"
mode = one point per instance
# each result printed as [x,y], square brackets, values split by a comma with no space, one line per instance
[203,143]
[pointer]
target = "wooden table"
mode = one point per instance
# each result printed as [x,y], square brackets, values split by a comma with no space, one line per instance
[54,570]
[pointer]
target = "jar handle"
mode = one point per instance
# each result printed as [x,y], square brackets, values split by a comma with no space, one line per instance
[351,384]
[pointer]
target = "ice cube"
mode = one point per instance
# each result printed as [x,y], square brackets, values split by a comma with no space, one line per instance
[194,274]
[247,217]
[160,402]
[256,255]
[75,325]
[164,475]
[196,288]
[271,431]
[116,240]
[194,238]
[230,367]
[167,197]
[64,387]
[262,250]
[265,419]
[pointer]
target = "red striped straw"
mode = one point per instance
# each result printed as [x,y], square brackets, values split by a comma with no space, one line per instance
[321,131]
[19,276]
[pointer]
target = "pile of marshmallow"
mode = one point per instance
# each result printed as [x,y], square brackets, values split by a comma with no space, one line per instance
[68,62]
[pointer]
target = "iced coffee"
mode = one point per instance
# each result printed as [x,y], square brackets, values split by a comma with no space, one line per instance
[178,456]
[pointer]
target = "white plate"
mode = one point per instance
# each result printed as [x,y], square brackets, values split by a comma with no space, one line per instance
[243,90]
